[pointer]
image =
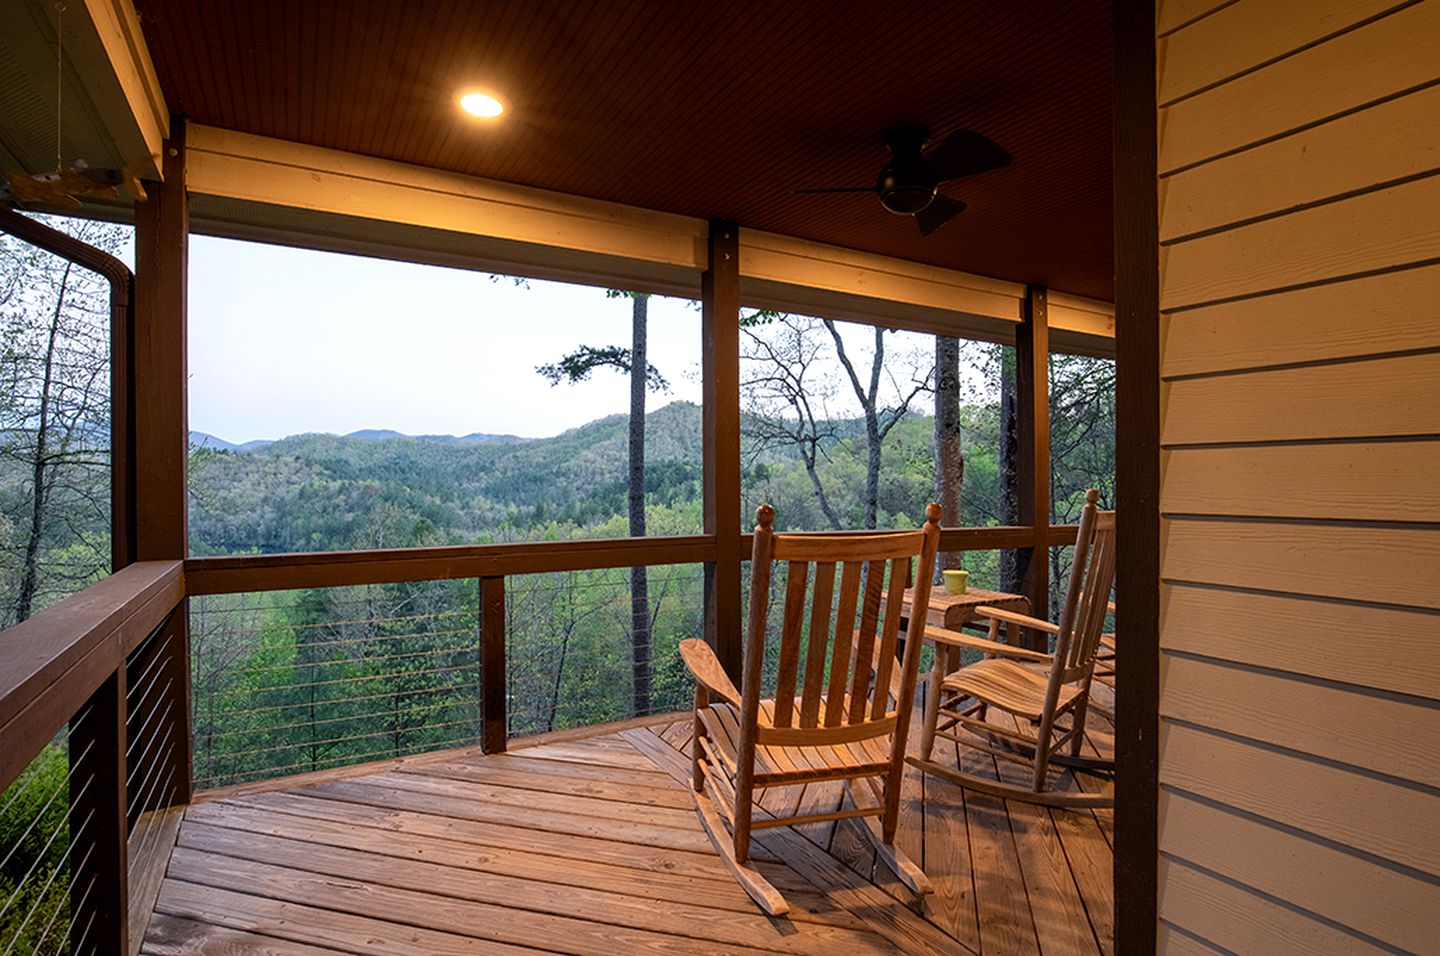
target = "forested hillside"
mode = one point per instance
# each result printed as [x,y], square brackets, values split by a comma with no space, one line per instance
[328,492]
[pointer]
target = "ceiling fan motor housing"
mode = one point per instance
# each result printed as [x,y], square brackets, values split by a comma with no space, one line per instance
[904,192]
[905,185]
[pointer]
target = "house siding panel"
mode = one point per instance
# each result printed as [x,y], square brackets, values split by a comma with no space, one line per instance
[1300,568]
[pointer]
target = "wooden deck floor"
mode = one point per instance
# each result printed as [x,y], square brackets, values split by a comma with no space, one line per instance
[591,846]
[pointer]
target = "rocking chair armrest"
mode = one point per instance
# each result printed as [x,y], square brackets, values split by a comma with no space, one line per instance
[956,639]
[1013,617]
[702,663]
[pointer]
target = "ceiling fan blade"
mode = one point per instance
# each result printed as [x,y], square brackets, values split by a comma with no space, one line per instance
[840,189]
[964,153]
[940,211]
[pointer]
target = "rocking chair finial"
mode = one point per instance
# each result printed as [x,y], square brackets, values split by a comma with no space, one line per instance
[765,516]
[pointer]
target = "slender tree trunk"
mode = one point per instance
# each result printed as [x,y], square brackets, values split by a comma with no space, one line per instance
[1012,570]
[30,577]
[639,589]
[869,398]
[812,469]
[949,454]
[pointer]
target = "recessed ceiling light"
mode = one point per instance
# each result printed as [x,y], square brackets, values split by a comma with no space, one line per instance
[481,104]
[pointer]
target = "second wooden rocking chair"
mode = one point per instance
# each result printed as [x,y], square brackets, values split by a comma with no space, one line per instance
[833,720]
[1047,695]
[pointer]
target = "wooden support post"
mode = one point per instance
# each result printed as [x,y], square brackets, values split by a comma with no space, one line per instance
[1032,408]
[720,333]
[99,883]
[493,731]
[162,228]
[123,479]
[159,422]
[1137,480]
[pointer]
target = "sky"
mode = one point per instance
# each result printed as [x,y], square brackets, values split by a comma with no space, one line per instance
[284,341]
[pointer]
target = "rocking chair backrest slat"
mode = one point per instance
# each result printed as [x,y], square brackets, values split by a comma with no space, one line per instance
[820,607]
[864,654]
[848,648]
[844,640]
[889,633]
[796,582]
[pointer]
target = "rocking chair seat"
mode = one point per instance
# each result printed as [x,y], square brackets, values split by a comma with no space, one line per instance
[1008,685]
[776,764]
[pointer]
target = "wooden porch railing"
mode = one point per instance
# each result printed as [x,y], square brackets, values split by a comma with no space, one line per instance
[109,663]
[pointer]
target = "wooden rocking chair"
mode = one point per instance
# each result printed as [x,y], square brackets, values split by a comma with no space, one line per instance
[1047,694]
[839,725]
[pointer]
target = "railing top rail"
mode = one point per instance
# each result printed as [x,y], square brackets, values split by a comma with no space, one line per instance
[52,663]
[278,572]
[281,572]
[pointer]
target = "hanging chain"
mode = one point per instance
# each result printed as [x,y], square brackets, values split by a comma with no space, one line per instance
[59,80]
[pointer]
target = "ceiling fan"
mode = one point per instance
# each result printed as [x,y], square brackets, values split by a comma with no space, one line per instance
[909,184]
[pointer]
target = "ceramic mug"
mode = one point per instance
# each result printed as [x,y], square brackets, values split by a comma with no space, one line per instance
[956,582]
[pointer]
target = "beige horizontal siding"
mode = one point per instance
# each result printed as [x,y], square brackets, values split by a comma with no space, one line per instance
[1251,33]
[1352,725]
[1273,783]
[1174,14]
[1390,905]
[1378,564]
[1383,397]
[1369,481]
[1314,637]
[1356,69]
[1402,139]
[1252,922]
[1374,315]
[1392,227]
[1300,551]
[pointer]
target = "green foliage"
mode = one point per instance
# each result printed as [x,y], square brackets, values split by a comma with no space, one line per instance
[577,366]
[34,837]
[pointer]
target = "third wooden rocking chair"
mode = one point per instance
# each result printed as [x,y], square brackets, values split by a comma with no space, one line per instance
[845,717]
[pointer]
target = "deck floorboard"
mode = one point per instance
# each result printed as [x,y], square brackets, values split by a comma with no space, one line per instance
[590,845]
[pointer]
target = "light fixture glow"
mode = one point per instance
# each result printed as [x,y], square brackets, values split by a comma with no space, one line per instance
[481,104]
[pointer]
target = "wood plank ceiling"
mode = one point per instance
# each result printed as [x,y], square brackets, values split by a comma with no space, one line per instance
[701,109]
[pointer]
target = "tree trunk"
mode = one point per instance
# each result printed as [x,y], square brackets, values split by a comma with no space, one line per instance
[813,470]
[949,454]
[1012,564]
[639,589]
[30,576]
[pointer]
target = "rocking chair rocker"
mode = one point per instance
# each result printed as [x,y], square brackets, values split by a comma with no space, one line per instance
[1048,695]
[840,724]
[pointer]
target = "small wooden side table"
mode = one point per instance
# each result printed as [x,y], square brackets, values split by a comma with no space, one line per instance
[953,611]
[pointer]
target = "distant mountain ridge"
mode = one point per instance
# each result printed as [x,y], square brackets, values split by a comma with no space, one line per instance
[206,440]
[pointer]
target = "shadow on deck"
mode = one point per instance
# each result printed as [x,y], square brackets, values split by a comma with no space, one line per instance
[591,845]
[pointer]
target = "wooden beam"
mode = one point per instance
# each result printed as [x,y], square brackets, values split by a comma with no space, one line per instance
[254,187]
[120,78]
[720,335]
[1032,409]
[796,275]
[493,719]
[1137,478]
[161,436]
